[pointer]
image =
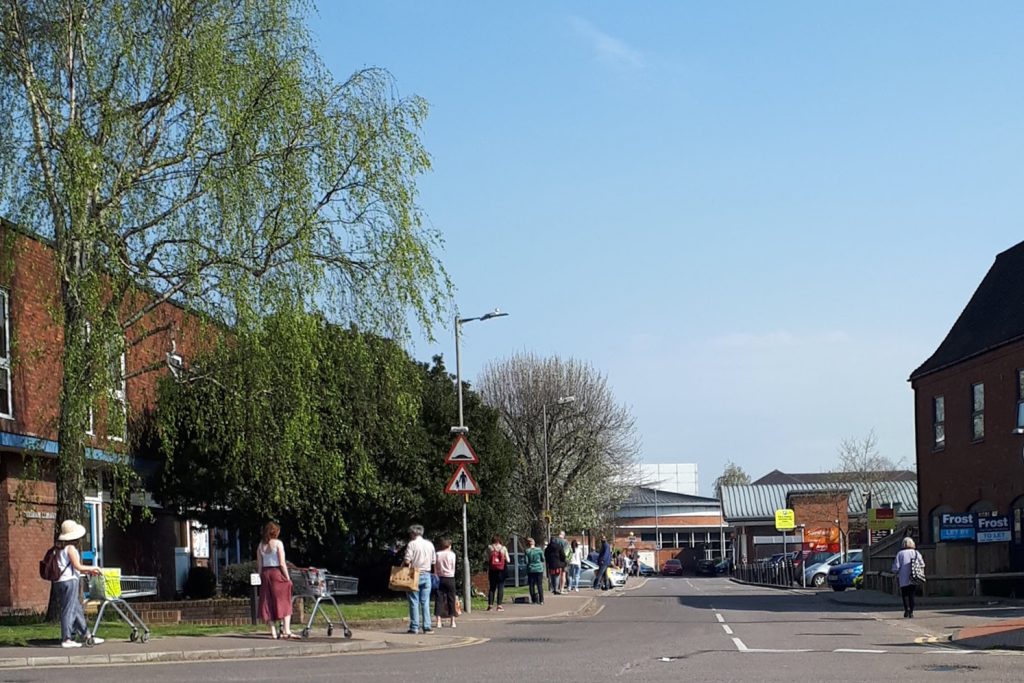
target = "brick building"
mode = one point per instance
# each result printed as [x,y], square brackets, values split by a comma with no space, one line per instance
[969,419]
[664,524]
[30,379]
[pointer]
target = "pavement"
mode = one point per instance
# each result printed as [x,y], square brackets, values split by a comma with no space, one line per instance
[376,637]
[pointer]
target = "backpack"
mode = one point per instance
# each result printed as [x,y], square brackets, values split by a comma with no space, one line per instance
[497,558]
[49,566]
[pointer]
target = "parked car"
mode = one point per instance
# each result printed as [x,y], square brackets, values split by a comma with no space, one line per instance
[841,576]
[646,569]
[618,578]
[818,565]
[712,567]
[672,568]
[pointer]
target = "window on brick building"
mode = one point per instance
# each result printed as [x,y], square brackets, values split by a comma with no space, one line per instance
[1020,399]
[939,421]
[119,421]
[978,411]
[6,401]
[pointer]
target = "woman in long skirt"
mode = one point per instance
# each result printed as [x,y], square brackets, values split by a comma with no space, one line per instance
[444,608]
[275,584]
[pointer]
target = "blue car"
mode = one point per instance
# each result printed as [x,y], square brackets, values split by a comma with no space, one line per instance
[841,576]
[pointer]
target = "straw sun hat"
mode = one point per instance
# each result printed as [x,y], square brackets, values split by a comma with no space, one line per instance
[70,530]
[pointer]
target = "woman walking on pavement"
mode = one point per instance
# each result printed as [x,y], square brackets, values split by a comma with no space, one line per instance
[497,560]
[68,570]
[275,584]
[902,566]
[535,571]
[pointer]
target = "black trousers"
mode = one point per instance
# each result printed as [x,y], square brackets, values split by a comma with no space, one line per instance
[445,605]
[536,581]
[495,586]
[907,593]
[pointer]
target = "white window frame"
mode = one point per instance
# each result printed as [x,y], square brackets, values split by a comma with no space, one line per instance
[6,412]
[120,396]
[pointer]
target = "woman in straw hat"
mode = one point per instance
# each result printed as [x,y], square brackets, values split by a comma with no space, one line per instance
[69,563]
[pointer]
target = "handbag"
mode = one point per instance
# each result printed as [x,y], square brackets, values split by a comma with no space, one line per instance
[404,579]
[917,569]
[458,606]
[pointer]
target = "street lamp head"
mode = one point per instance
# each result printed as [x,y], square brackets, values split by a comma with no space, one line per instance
[459,430]
[566,399]
[496,313]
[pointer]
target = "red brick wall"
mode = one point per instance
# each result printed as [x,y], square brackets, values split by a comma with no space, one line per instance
[966,471]
[24,540]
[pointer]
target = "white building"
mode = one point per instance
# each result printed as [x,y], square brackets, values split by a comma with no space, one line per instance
[678,477]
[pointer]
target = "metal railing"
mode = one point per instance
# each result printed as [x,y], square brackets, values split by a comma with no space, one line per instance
[784,573]
[1004,584]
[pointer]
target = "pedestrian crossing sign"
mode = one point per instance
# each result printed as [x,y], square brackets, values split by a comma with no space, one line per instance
[462,482]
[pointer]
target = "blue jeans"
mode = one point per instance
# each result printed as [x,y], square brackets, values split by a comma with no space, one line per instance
[419,604]
[72,616]
[574,576]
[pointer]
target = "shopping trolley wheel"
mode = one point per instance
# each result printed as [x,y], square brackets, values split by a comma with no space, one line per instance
[330,631]
[89,640]
[145,637]
[348,633]
[305,633]
[134,635]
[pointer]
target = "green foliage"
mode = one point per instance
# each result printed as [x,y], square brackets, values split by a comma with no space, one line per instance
[201,583]
[234,579]
[199,152]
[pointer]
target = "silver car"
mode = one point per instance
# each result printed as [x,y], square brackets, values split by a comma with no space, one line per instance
[816,574]
[617,577]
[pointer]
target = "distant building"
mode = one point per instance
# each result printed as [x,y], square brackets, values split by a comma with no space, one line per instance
[662,525]
[777,477]
[969,426]
[676,477]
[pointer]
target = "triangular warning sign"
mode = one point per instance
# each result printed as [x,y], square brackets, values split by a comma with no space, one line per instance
[462,482]
[461,452]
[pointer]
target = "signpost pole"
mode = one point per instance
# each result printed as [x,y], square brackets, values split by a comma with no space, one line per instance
[467,589]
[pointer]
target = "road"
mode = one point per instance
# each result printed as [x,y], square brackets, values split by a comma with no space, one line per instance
[668,629]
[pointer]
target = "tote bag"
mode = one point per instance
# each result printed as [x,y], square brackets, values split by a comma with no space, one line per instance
[404,579]
[917,569]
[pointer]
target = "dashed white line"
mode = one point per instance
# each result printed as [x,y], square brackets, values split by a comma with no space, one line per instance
[727,629]
[721,619]
[854,649]
[739,645]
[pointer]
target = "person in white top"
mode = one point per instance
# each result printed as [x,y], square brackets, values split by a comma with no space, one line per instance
[275,583]
[70,568]
[420,554]
[575,566]
[445,605]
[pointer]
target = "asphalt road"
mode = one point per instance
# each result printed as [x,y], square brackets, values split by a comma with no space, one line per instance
[669,629]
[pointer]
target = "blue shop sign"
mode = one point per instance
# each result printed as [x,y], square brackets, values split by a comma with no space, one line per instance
[993,529]
[957,526]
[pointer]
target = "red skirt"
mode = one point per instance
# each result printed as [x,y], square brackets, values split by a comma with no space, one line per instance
[275,595]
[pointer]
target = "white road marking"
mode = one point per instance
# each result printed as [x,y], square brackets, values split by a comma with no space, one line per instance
[739,645]
[727,629]
[854,649]
[721,619]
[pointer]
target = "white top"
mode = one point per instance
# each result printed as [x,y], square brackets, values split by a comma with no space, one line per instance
[268,553]
[67,570]
[446,563]
[420,554]
[577,557]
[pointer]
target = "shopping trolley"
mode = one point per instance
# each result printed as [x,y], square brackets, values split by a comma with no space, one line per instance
[114,590]
[318,584]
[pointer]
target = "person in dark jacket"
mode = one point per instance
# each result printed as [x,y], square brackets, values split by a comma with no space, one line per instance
[604,560]
[554,556]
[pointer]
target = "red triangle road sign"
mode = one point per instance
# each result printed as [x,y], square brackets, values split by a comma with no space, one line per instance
[461,452]
[462,482]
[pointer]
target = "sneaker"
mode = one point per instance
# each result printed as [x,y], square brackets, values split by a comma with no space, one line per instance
[428,630]
[96,640]
[412,631]
[70,643]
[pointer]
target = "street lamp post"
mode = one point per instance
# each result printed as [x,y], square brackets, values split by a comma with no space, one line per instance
[463,429]
[547,482]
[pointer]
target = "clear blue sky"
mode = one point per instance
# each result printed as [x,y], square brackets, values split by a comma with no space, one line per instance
[755,218]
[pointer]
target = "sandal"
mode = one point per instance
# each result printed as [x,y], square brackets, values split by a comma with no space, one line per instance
[291,636]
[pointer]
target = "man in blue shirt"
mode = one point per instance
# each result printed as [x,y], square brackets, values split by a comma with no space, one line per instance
[604,560]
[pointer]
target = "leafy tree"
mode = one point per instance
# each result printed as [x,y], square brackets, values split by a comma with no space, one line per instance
[198,151]
[591,441]
[732,475]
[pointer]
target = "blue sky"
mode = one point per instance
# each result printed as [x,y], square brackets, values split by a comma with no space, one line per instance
[755,218]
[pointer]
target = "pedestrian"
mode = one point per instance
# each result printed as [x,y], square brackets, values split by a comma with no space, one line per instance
[68,570]
[420,554]
[604,560]
[593,556]
[535,571]
[554,557]
[566,554]
[275,584]
[901,566]
[497,560]
[575,565]
[445,605]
